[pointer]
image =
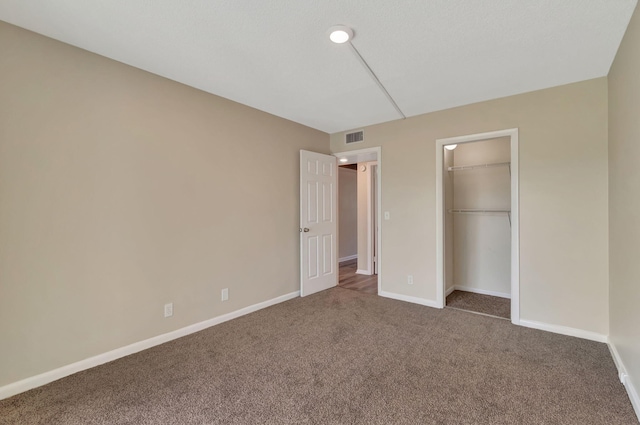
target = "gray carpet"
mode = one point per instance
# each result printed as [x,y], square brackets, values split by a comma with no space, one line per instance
[485,304]
[344,357]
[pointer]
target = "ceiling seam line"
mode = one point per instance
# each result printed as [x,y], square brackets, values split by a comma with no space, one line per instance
[375,78]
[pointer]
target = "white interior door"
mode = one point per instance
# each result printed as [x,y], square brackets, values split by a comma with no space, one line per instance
[318,222]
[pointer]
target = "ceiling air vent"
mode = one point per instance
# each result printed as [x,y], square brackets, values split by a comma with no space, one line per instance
[355,137]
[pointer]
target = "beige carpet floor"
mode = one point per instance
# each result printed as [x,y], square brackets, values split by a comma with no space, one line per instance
[344,357]
[478,303]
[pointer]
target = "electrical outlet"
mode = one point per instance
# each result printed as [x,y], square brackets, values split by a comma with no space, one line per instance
[225,294]
[168,310]
[410,279]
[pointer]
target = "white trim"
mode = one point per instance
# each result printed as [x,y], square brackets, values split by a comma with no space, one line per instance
[622,371]
[52,375]
[633,395]
[348,258]
[364,272]
[379,219]
[364,155]
[409,299]
[481,291]
[370,216]
[515,227]
[515,222]
[376,212]
[440,207]
[564,330]
[624,379]
[449,291]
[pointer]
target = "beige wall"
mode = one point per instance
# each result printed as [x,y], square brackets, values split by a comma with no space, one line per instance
[624,201]
[347,212]
[563,198]
[121,191]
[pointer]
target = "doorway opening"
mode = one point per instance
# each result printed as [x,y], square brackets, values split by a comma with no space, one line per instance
[477,229]
[477,223]
[359,253]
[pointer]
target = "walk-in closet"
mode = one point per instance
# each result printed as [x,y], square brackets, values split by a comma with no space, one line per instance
[477,189]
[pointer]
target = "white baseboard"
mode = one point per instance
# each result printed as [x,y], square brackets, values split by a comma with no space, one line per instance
[622,371]
[633,393]
[564,330]
[348,258]
[449,291]
[365,272]
[481,291]
[53,375]
[409,299]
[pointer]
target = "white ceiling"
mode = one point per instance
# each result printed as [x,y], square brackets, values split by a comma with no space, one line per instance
[275,55]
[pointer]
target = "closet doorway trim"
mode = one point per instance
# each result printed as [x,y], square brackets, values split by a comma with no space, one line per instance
[512,133]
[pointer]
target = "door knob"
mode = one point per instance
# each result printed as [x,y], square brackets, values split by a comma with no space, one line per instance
[306,229]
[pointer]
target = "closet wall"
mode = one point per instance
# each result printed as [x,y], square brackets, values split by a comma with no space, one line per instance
[482,241]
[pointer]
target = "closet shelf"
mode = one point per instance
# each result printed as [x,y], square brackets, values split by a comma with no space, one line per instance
[479,211]
[471,167]
[474,210]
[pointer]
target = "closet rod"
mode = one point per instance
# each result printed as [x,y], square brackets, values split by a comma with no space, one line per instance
[471,167]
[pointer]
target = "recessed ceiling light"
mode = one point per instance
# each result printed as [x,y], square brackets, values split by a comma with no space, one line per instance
[343,159]
[450,147]
[340,34]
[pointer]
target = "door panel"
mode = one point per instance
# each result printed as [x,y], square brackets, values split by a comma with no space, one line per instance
[318,222]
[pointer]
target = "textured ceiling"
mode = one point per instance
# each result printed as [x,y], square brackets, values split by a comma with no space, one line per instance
[275,55]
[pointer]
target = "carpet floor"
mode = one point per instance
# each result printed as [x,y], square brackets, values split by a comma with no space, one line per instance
[344,357]
[478,303]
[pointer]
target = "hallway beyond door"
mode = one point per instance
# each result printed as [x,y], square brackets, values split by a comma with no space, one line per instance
[358,282]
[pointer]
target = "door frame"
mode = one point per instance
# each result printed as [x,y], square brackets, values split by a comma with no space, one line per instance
[374,224]
[368,155]
[512,133]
